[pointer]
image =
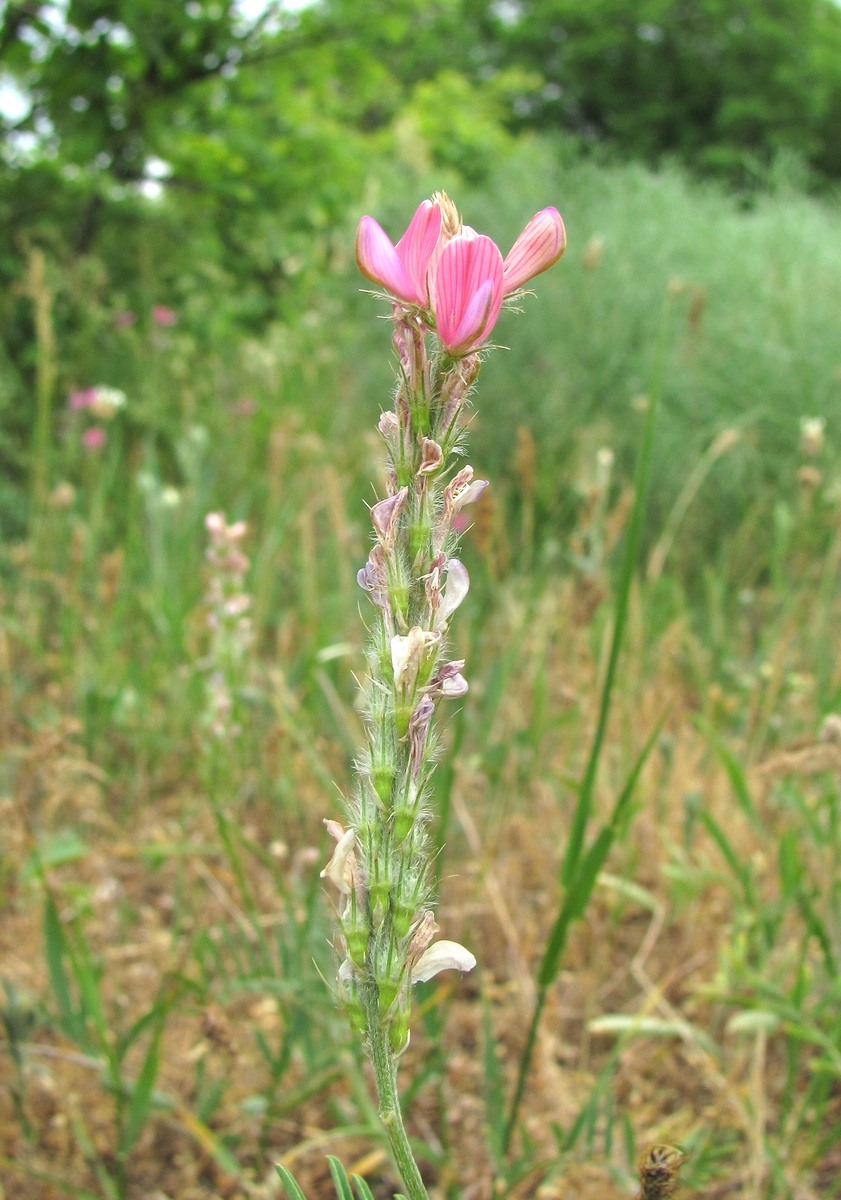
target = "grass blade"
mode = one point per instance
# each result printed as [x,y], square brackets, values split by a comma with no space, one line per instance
[340,1179]
[293,1192]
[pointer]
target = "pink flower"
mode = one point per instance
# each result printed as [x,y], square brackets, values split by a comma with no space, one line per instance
[400,269]
[538,247]
[456,275]
[162,315]
[83,398]
[468,293]
[124,319]
[93,438]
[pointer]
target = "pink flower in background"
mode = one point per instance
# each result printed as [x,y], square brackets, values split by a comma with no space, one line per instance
[124,319]
[400,269]
[94,438]
[82,398]
[164,316]
[456,275]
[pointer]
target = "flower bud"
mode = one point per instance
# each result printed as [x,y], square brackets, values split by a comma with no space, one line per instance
[357,944]
[398,1032]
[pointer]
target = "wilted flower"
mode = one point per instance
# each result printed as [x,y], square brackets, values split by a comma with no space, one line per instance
[341,869]
[442,956]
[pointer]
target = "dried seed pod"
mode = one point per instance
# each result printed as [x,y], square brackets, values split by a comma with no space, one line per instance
[658,1172]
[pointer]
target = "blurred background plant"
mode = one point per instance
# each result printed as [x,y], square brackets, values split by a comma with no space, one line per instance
[180,185]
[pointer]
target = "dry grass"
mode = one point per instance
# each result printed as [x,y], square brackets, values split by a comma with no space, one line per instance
[656,948]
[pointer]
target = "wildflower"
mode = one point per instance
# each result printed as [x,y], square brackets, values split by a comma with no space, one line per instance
[124,319]
[230,627]
[94,438]
[812,430]
[63,495]
[448,283]
[105,401]
[458,277]
[163,316]
[82,398]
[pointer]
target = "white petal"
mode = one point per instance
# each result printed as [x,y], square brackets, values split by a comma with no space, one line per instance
[442,956]
[458,582]
[336,870]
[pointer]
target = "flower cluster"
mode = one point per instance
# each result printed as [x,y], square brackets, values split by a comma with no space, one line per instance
[102,403]
[447,284]
[452,275]
[228,606]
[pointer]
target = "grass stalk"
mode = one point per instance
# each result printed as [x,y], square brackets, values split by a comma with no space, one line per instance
[579,869]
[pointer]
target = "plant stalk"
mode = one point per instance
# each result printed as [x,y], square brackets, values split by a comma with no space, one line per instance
[385,1076]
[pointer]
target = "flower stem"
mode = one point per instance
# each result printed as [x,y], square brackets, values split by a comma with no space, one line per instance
[385,1076]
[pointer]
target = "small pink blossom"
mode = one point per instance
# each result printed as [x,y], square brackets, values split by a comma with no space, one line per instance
[164,316]
[83,398]
[454,274]
[124,319]
[93,438]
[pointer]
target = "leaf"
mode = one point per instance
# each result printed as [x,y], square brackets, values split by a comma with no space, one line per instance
[141,1093]
[362,1189]
[587,869]
[626,1024]
[57,949]
[340,1179]
[494,1092]
[293,1192]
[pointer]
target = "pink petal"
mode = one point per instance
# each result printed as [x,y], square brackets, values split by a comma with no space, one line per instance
[468,292]
[417,244]
[379,261]
[541,244]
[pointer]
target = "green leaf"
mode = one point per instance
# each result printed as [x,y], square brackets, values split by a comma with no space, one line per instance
[362,1189]
[587,870]
[340,1179]
[141,1093]
[293,1192]
[494,1091]
[739,870]
[57,949]
[55,851]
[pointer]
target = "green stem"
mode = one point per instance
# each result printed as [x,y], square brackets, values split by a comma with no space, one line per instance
[385,1076]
